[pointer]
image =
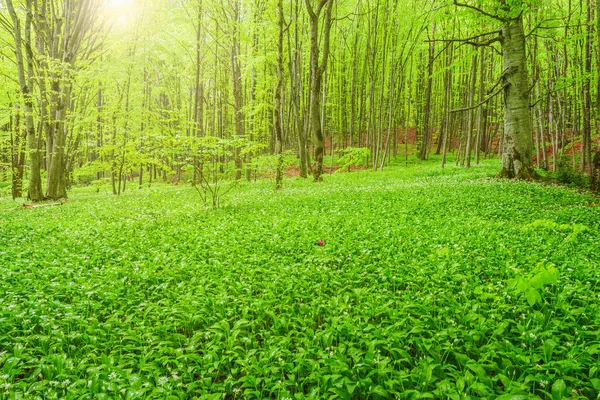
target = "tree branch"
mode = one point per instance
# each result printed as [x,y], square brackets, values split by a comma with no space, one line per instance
[463,40]
[486,43]
[479,10]
[496,93]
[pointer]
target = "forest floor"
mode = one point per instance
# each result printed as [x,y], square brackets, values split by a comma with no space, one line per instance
[429,283]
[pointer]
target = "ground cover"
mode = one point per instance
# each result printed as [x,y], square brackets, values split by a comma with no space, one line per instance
[430,283]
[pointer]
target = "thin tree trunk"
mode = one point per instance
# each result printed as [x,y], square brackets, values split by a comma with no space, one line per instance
[470,118]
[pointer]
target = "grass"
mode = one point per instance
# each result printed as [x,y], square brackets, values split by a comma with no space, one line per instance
[430,284]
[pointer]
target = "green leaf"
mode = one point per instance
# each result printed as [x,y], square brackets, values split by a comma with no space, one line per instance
[378,390]
[533,296]
[559,390]
[549,346]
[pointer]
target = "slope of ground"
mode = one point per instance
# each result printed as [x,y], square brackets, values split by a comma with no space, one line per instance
[429,283]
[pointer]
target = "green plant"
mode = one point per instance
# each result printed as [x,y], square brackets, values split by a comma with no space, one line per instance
[532,286]
[566,174]
[353,157]
[149,295]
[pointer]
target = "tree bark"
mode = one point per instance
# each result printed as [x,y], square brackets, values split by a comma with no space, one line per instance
[318,65]
[426,136]
[278,101]
[26,86]
[517,151]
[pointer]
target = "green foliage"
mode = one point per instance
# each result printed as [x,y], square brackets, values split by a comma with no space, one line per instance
[353,157]
[530,286]
[573,230]
[207,157]
[566,174]
[149,295]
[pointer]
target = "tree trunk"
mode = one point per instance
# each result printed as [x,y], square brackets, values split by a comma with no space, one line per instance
[426,138]
[278,101]
[517,142]
[317,68]
[17,152]
[26,83]
[56,185]
[472,86]
[236,77]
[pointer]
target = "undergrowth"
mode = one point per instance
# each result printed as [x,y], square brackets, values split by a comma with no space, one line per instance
[429,283]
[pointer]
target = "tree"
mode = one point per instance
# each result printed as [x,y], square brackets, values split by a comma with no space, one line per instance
[517,151]
[318,65]
[62,29]
[26,78]
[279,97]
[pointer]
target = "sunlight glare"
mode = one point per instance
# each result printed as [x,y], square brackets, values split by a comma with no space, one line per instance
[121,10]
[117,3]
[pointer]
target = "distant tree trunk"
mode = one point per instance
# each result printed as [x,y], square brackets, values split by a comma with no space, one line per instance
[318,65]
[517,160]
[18,152]
[446,131]
[472,86]
[597,61]
[426,135]
[586,150]
[198,92]
[99,127]
[481,109]
[236,77]
[278,101]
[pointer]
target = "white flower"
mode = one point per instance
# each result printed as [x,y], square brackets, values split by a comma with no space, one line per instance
[543,383]
[112,375]
[162,380]
[531,335]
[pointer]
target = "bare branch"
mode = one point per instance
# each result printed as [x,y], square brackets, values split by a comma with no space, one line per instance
[464,39]
[479,10]
[486,43]
[496,93]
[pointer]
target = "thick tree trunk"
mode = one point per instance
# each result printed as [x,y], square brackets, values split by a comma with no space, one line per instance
[317,68]
[517,144]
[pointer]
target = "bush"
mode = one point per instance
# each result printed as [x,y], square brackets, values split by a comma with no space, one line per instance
[354,157]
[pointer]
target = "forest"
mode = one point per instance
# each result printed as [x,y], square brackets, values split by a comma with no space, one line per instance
[127,92]
[299,199]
